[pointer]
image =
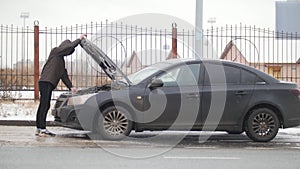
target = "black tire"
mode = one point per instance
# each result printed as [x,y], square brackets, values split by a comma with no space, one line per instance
[115,123]
[262,125]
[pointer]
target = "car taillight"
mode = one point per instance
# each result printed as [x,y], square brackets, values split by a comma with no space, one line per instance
[296,92]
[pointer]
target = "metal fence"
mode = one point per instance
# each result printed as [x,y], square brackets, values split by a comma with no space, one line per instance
[133,48]
[275,53]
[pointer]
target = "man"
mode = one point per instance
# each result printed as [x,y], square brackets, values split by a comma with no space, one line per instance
[52,72]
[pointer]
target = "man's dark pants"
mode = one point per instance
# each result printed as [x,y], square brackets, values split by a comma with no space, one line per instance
[46,89]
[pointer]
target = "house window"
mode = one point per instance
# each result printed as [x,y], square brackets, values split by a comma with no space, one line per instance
[275,71]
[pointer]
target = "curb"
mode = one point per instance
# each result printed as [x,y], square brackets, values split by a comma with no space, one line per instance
[24,123]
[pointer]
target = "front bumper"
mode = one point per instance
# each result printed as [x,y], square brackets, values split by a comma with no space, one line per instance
[79,117]
[67,116]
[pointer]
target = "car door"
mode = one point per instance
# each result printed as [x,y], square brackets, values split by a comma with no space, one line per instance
[226,95]
[181,95]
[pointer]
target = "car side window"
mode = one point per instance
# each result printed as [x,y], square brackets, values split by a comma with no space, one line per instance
[169,77]
[184,75]
[247,77]
[232,74]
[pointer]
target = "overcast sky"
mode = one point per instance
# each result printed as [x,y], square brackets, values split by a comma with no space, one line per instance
[52,13]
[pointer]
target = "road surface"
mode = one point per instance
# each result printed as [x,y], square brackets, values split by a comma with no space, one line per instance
[19,148]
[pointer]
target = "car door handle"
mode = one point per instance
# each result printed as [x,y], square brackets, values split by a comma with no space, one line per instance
[241,93]
[193,96]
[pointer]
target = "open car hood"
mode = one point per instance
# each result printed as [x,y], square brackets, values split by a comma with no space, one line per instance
[107,65]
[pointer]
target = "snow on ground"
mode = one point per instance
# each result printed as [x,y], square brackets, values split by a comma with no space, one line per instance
[16,105]
[23,95]
[21,110]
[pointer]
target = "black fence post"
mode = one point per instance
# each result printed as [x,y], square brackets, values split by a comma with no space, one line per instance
[36,60]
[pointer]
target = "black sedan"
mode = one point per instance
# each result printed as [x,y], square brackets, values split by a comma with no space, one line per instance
[181,94]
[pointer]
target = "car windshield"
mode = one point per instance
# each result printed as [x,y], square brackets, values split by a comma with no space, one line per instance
[139,76]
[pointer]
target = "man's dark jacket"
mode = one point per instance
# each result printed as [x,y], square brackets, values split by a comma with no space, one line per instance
[54,69]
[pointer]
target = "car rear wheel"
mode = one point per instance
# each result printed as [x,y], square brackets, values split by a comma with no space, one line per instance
[114,123]
[262,125]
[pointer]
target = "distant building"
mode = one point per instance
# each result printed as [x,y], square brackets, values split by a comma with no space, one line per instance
[24,67]
[282,71]
[138,61]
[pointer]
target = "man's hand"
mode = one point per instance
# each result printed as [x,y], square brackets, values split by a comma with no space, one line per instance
[83,36]
[74,90]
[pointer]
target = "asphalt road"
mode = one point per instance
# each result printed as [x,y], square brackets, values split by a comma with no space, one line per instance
[72,149]
[89,158]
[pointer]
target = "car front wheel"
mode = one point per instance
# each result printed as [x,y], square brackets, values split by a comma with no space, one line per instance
[262,125]
[115,123]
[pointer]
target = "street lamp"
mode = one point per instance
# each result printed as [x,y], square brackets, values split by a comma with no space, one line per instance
[211,21]
[24,15]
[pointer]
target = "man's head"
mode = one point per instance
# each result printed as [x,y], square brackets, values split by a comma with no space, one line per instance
[66,44]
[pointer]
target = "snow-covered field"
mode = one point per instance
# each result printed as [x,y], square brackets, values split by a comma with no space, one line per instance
[23,107]
[21,110]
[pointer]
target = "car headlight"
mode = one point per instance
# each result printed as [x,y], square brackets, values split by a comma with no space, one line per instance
[77,100]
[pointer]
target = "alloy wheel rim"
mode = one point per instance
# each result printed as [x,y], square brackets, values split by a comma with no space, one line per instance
[115,123]
[263,124]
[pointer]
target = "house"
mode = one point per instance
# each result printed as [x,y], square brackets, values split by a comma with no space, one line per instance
[231,52]
[288,71]
[138,61]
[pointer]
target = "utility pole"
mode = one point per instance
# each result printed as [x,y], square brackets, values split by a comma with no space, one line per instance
[199,29]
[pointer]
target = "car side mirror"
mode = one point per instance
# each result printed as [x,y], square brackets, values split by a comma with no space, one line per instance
[156,83]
